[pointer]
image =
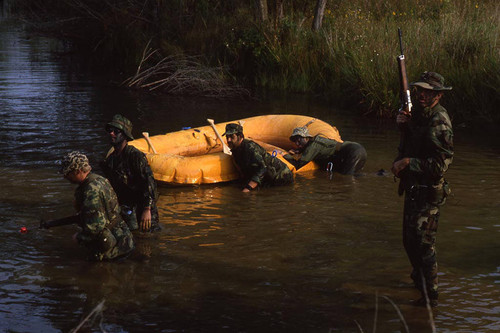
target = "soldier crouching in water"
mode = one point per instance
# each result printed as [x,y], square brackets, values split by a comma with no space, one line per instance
[346,157]
[256,165]
[131,177]
[425,153]
[104,233]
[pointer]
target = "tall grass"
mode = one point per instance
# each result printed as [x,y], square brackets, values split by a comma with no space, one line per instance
[350,61]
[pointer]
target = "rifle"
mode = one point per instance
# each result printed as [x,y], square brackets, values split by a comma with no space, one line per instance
[406,105]
[74,219]
[404,90]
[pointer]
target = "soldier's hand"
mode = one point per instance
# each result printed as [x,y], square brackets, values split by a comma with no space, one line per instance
[400,165]
[145,223]
[402,118]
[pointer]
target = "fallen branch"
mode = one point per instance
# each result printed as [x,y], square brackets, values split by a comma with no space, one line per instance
[180,75]
[97,310]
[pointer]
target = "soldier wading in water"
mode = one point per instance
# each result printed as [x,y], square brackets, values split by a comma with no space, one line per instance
[425,153]
[104,233]
[131,177]
[255,164]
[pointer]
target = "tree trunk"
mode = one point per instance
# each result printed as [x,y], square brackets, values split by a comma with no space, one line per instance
[262,10]
[318,14]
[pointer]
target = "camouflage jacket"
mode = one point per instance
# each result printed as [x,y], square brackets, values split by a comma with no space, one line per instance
[256,164]
[99,213]
[131,178]
[428,142]
[319,149]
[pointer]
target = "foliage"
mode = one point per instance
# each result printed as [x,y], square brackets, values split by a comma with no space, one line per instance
[350,61]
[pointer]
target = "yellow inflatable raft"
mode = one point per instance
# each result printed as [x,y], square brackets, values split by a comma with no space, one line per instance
[194,156]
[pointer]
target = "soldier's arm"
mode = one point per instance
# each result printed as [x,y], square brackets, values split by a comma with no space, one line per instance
[308,155]
[93,215]
[257,165]
[441,139]
[142,170]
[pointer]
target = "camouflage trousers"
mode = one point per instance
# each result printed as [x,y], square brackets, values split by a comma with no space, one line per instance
[420,224]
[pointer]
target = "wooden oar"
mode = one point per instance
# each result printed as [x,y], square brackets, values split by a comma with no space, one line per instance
[146,136]
[225,148]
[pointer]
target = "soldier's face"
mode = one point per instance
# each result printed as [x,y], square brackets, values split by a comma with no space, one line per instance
[233,141]
[116,135]
[73,177]
[300,142]
[427,98]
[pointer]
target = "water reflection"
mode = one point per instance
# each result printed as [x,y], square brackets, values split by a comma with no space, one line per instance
[306,257]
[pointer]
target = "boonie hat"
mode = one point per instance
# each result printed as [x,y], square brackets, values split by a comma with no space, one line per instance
[233,129]
[431,81]
[301,131]
[122,124]
[74,161]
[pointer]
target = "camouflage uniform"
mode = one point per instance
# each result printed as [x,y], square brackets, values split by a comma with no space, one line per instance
[104,232]
[259,166]
[346,158]
[133,182]
[428,142]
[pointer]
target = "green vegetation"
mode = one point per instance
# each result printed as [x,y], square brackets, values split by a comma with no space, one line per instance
[350,61]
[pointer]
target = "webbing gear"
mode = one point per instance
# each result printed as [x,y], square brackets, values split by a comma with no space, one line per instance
[415,191]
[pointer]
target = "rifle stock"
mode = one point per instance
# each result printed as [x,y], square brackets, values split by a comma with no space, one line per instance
[404,90]
[74,219]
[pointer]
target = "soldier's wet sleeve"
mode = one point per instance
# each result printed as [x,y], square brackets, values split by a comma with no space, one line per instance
[92,214]
[291,159]
[257,164]
[308,155]
[147,183]
[440,137]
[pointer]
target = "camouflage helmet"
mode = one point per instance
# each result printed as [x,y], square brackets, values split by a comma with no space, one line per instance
[233,129]
[300,131]
[122,124]
[74,161]
[431,81]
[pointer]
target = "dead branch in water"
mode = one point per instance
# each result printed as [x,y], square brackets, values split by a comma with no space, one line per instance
[181,75]
[97,311]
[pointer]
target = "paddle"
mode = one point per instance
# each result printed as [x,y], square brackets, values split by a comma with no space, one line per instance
[225,148]
[146,136]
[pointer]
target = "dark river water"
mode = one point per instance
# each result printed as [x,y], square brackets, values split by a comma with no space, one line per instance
[311,257]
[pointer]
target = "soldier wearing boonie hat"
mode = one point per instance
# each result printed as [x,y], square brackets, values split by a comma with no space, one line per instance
[121,123]
[74,161]
[346,158]
[104,233]
[128,170]
[431,81]
[425,153]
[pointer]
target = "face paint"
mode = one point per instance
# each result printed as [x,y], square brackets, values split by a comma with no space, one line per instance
[116,136]
[300,142]
[426,97]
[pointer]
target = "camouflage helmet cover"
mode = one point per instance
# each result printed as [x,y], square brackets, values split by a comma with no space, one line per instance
[233,129]
[74,161]
[300,131]
[431,81]
[122,124]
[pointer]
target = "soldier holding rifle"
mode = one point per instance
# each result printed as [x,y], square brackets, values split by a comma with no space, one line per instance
[104,233]
[424,155]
